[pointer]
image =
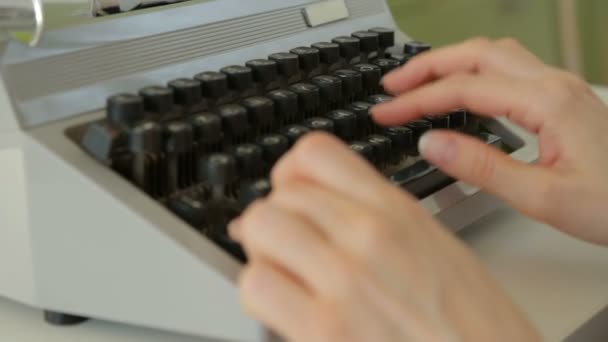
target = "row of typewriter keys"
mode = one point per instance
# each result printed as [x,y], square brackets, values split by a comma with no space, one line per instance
[215,137]
[162,128]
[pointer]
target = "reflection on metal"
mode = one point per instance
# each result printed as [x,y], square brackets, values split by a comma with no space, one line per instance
[107,7]
[25,21]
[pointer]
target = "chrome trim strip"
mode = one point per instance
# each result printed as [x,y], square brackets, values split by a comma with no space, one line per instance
[39,15]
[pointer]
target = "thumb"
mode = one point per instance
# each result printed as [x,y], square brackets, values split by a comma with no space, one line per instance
[468,159]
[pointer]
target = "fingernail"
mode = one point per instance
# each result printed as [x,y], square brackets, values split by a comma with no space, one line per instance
[437,149]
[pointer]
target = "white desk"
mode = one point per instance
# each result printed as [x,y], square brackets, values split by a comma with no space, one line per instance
[560,283]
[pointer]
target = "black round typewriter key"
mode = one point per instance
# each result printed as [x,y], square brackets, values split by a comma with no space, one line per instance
[187,92]
[263,70]
[213,84]
[288,64]
[330,89]
[414,47]
[402,138]
[350,47]
[218,169]
[254,190]
[438,121]
[102,139]
[345,123]
[146,137]
[419,127]
[234,121]
[365,123]
[352,82]
[473,123]
[372,74]
[295,132]
[240,78]
[261,112]
[387,64]
[285,105]
[207,128]
[309,96]
[178,141]
[309,57]
[402,58]
[458,119]
[125,110]
[329,52]
[179,137]
[157,99]
[379,98]
[369,41]
[386,36]
[320,124]
[364,149]
[274,146]
[145,142]
[250,160]
[402,142]
[382,146]
[190,207]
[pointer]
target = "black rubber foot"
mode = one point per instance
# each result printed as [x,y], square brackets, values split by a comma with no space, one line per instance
[61,319]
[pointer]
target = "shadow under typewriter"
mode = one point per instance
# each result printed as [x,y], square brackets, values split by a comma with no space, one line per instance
[204,147]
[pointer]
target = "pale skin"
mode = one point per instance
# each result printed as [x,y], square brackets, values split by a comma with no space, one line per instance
[339,254]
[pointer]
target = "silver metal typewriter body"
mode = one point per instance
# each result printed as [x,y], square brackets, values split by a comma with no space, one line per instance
[77,238]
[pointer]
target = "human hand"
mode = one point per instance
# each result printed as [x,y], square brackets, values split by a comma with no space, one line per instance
[568,187]
[337,253]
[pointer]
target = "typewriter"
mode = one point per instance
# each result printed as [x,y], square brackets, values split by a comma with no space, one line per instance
[135,130]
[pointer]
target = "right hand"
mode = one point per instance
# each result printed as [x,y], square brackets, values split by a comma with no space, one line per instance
[568,187]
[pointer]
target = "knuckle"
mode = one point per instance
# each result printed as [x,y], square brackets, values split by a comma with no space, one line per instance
[303,154]
[560,92]
[576,83]
[510,42]
[374,235]
[484,165]
[332,325]
[480,42]
[309,145]
[254,219]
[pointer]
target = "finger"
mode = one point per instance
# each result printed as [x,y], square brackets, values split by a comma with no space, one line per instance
[346,222]
[323,159]
[473,56]
[365,235]
[276,300]
[271,233]
[468,159]
[489,95]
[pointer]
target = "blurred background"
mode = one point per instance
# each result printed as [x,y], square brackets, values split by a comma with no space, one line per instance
[565,33]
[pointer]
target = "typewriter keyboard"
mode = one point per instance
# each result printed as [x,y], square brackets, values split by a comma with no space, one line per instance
[204,146]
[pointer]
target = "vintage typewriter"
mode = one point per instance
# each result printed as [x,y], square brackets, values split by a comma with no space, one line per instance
[140,128]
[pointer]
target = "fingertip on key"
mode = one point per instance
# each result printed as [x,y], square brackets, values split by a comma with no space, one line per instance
[388,81]
[234,229]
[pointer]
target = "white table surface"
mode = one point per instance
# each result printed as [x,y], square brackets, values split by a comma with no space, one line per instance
[559,282]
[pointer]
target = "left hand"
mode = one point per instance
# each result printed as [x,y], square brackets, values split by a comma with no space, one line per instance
[337,253]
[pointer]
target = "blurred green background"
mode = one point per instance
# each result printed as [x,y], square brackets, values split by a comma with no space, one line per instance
[538,24]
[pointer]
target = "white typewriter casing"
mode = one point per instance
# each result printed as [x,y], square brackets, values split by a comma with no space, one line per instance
[77,238]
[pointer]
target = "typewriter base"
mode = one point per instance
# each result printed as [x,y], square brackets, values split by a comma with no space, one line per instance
[104,250]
